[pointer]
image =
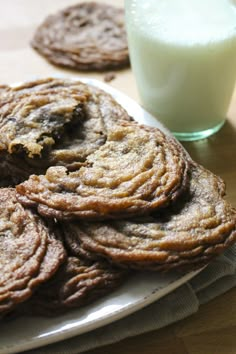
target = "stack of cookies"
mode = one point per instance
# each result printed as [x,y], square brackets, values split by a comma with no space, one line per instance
[89,196]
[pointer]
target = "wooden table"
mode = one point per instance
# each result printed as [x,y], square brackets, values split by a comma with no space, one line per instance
[213,329]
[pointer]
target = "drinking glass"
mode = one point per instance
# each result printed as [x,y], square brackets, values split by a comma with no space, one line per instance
[183,55]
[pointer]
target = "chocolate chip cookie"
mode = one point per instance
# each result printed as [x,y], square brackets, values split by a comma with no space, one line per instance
[86,36]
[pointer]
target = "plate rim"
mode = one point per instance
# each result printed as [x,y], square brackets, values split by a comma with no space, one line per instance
[106,319]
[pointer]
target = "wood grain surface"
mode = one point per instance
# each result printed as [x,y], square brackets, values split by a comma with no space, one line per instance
[212,330]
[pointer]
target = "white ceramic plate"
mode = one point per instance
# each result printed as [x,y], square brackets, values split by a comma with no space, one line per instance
[27,333]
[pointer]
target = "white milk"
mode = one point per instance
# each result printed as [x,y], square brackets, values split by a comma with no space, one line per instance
[183,54]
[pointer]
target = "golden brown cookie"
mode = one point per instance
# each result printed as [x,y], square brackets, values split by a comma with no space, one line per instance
[137,170]
[30,254]
[199,226]
[86,36]
[51,122]
[32,119]
[77,283]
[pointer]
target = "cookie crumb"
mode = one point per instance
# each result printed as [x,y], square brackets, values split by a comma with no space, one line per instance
[109,77]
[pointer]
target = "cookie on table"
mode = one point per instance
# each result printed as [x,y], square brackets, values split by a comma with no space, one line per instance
[136,171]
[51,122]
[86,36]
[185,236]
[30,253]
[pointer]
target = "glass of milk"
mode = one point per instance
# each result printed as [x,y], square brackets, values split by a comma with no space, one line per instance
[183,55]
